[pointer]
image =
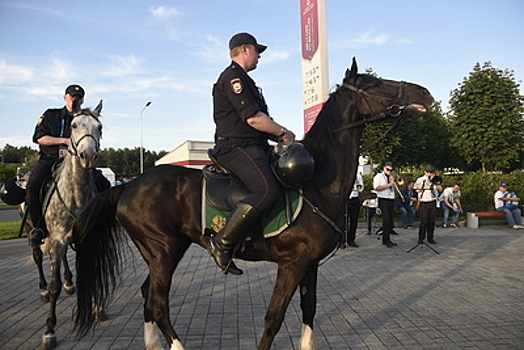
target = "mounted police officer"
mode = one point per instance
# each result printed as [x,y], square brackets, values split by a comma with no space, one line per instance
[52,134]
[243,127]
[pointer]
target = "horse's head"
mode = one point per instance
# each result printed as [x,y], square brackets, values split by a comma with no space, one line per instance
[86,131]
[388,97]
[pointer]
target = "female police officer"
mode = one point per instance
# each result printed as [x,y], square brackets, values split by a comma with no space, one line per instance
[243,127]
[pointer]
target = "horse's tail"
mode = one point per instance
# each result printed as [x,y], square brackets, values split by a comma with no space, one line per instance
[98,249]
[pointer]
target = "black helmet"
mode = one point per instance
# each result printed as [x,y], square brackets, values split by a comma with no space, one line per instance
[292,164]
[11,192]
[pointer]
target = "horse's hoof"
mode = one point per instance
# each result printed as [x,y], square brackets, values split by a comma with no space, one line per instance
[44,296]
[69,290]
[48,342]
[101,316]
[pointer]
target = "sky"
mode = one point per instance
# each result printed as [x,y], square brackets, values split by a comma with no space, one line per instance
[170,53]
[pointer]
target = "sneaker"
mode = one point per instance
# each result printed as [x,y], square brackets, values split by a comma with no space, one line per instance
[453,225]
[515,227]
[444,226]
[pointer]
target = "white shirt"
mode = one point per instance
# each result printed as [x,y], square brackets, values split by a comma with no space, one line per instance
[380,180]
[428,193]
[358,182]
[448,192]
[498,203]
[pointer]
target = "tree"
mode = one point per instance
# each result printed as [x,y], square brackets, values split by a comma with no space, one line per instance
[486,118]
[413,142]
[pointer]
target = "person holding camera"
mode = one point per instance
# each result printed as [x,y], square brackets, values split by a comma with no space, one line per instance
[428,188]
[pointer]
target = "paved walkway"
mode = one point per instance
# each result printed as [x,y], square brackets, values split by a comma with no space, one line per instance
[471,296]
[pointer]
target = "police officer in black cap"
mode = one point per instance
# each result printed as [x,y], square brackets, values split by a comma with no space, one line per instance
[52,134]
[243,127]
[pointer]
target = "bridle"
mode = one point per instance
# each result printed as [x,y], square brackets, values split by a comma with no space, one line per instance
[74,144]
[393,110]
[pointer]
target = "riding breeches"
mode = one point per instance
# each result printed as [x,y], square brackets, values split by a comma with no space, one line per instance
[39,174]
[250,163]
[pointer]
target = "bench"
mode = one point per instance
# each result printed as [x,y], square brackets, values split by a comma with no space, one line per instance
[473,217]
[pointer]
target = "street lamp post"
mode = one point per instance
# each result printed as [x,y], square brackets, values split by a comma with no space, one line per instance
[142,139]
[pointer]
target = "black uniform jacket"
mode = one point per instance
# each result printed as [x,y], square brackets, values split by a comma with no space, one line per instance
[54,122]
[236,98]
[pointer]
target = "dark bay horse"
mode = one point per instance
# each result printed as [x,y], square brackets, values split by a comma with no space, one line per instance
[74,187]
[161,212]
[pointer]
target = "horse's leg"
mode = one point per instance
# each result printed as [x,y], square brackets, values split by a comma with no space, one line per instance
[69,287]
[308,304]
[288,278]
[38,257]
[57,252]
[155,291]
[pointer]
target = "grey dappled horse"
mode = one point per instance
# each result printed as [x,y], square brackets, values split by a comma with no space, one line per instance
[74,187]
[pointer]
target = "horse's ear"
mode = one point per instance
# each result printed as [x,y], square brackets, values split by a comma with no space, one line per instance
[351,75]
[98,109]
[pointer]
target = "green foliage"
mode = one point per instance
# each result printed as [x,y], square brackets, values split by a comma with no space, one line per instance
[414,142]
[477,188]
[7,171]
[486,117]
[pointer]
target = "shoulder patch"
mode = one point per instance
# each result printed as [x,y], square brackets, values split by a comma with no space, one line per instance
[236,85]
[40,120]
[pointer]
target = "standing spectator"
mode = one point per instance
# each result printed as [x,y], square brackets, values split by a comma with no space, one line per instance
[353,206]
[384,184]
[405,205]
[450,201]
[508,203]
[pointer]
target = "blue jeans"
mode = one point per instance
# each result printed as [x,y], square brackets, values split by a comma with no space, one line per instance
[514,216]
[407,215]
[447,210]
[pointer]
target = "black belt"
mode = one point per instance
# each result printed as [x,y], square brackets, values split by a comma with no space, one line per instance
[222,138]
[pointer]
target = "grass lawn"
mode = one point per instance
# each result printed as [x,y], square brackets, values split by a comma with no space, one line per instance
[9,230]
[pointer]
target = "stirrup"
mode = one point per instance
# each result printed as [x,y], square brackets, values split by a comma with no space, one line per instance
[222,259]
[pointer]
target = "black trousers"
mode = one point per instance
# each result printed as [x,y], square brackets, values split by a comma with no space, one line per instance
[39,174]
[250,162]
[387,206]
[428,213]
[353,206]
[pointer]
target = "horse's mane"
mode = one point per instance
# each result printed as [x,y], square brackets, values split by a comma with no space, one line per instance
[330,118]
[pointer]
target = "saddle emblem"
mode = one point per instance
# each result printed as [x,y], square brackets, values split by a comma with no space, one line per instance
[218,222]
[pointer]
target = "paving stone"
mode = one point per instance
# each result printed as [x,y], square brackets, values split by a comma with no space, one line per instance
[467,297]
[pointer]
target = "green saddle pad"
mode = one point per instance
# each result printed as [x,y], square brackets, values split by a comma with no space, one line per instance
[273,220]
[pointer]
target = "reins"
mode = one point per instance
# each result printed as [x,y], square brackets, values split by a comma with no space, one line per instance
[394,110]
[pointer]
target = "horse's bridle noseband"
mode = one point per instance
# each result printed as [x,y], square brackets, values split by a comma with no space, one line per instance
[74,144]
[394,110]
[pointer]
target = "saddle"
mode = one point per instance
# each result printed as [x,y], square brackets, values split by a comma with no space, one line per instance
[222,191]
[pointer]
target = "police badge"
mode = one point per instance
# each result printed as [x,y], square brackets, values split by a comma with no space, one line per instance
[236,85]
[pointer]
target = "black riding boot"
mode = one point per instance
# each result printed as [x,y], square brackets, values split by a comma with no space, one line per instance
[221,247]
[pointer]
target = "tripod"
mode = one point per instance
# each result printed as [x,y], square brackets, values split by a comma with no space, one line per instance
[421,244]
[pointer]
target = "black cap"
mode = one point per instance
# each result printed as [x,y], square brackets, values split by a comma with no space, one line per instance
[388,163]
[430,168]
[75,90]
[245,39]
